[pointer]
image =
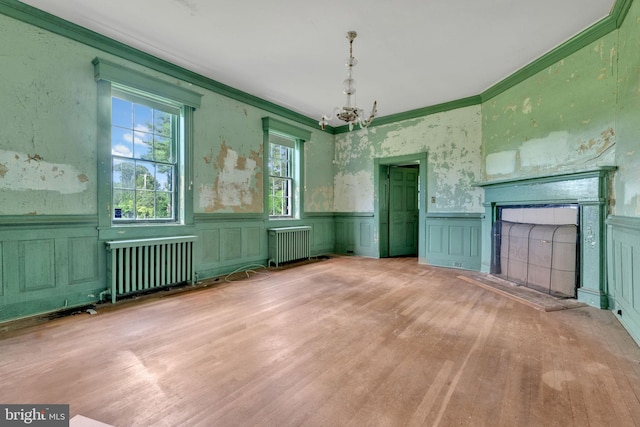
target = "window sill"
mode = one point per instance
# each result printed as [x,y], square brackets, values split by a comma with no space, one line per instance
[141,231]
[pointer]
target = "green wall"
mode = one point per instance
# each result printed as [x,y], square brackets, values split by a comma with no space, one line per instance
[562,119]
[452,140]
[578,113]
[627,183]
[48,108]
[52,251]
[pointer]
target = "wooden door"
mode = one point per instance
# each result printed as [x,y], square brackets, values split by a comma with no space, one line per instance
[403,211]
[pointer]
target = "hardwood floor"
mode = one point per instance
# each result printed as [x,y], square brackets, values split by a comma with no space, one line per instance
[339,342]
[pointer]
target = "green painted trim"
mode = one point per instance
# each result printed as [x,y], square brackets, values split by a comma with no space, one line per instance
[271,124]
[103,151]
[619,11]
[215,217]
[117,244]
[319,215]
[596,31]
[632,223]
[33,16]
[298,166]
[116,73]
[47,220]
[354,214]
[44,20]
[417,113]
[597,172]
[187,167]
[142,231]
[454,215]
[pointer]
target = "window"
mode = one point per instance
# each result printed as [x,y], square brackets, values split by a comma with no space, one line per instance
[144,147]
[284,165]
[281,177]
[145,137]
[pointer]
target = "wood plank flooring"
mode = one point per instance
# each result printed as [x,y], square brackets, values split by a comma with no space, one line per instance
[340,342]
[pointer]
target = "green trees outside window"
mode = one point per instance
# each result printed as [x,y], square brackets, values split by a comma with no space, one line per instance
[280,180]
[144,161]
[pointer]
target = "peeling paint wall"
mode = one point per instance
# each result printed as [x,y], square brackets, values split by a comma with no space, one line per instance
[560,120]
[237,186]
[318,173]
[627,180]
[48,137]
[580,113]
[48,132]
[453,141]
[228,157]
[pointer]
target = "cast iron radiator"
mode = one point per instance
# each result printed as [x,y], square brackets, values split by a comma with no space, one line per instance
[289,244]
[144,264]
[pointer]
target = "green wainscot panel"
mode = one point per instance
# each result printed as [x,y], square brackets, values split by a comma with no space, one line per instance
[49,264]
[354,234]
[623,256]
[454,240]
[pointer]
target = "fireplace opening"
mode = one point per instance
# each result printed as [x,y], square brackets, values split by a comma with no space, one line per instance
[537,246]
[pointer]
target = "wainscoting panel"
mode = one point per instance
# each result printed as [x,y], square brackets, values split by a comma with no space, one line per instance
[232,242]
[228,241]
[453,240]
[210,246]
[322,237]
[355,234]
[37,268]
[253,238]
[624,273]
[83,260]
[48,264]
[2,282]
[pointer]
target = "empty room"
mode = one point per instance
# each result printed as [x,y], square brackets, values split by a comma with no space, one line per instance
[354,213]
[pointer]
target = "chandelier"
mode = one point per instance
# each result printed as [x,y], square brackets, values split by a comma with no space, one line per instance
[350,113]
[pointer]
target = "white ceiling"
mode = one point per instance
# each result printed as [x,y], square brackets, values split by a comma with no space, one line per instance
[411,53]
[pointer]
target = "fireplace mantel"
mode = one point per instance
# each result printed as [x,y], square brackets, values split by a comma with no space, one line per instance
[588,189]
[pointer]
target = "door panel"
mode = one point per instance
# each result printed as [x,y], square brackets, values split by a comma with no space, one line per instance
[403,211]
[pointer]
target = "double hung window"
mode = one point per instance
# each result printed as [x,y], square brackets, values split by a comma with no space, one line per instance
[145,142]
[284,163]
[281,176]
[145,128]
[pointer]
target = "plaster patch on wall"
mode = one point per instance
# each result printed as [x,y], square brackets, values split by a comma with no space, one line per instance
[501,163]
[238,185]
[526,106]
[353,192]
[549,151]
[24,172]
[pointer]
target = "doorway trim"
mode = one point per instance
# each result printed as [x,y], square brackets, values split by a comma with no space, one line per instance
[381,225]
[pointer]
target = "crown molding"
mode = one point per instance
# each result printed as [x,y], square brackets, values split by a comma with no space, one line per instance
[56,25]
[33,16]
